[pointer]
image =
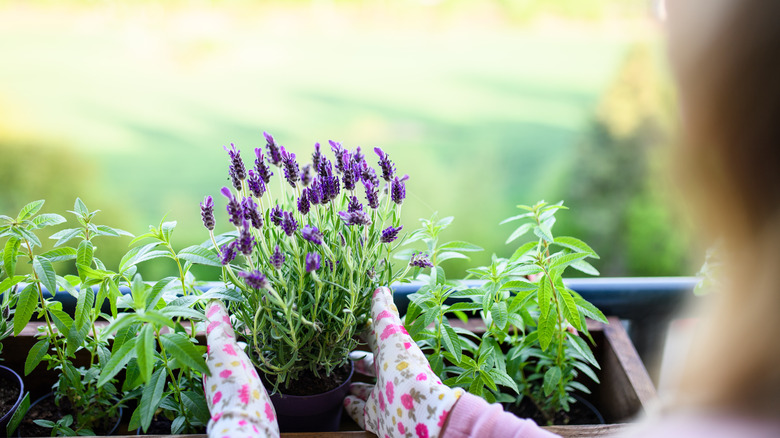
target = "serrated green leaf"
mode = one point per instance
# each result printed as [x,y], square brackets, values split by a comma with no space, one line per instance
[28,302]
[575,244]
[141,254]
[583,349]
[27,235]
[461,246]
[467,306]
[519,232]
[35,356]
[10,282]
[570,308]
[546,329]
[544,295]
[519,285]
[84,304]
[589,309]
[522,251]
[563,260]
[195,406]
[447,255]
[97,274]
[154,295]
[167,229]
[151,397]
[45,272]
[543,232]
[200,255]
[18,415]
[10,253]
[503,379]
[60,254]
[47,220]
[183,312]
[551,379]
[586,369]
[451,341]
[76,338]
[499,313]
[585,267]
[156,318]
[61,320]
[65,236]
[113,295]
[144,352]
[182,349]
[514,218]
[85,253]
[29,210]
[118,361]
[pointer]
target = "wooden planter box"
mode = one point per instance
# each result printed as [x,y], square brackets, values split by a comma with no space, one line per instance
[625,392]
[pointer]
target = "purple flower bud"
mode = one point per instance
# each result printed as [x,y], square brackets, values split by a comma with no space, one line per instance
[277,258]
[234,210]
[263,171]
[251,214]
[245,242]
[388,169]
[289,224]
[355,218]
[207,212]
[254,279]
[339,152]
[237,171]
[325,167]
[420,260]
[398,191]
[313,261]
[368,174]
[303,202]
[227,253]
[372,195]
[291,172]
[330,188]
[306,175]
[312,234]
[274,157]
[354,205]
[315,192]
[317,158]
[358,157]
[349,172]
[389,234]
[277,215]
[256,184]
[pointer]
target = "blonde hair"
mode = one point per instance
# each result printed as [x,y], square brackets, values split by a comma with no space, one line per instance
[729,86]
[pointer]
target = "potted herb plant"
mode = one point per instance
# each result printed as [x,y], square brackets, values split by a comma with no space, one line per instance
[305,252]
[12,394]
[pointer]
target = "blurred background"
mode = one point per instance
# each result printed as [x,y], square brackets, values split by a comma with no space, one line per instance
[485,104]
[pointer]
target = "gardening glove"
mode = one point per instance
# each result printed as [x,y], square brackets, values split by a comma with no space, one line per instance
[237,400]
[408,397]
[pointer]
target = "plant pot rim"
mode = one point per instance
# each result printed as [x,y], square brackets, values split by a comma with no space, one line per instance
[292,398]
[9,372]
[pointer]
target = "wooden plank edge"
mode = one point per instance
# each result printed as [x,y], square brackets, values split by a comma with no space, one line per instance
[631,363]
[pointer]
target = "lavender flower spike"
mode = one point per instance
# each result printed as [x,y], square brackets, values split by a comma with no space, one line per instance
[354,205]
[251,214]
[291,172]
[256,184]
[313,261]
[245,243]
[227,253]
[234,210]
[237,171]
[358,217]
[303,202]
[207,212]
[254,279]
[262,169]
[398,191]
[277,258]
[372,195]
[277,214]
[273,150]
[390,233]
[289,224]
[420,260]
[388,169]
[312,234]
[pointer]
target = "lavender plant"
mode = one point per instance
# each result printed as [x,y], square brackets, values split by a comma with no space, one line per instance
[306,255]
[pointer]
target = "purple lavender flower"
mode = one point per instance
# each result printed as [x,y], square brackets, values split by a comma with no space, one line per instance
[306,175]
[303,202]
[207,212]
[251,214]
[372,194]
[273,150]
[227,253]
[325,167]
[313,261]
[245,241]
[349,173]
[277,215]
[398,191]
[390,233]
[355,218]
[234,210]
[339,152]
[277,258]
[291,172]
[317,158]
[312,234]
[388,169]
[254,279]
[354,205]
[358,157]
[263,171]
[237,171]
[368,174]
[256,184]
[330,188]
[315,192]
[289,224]
[420,260]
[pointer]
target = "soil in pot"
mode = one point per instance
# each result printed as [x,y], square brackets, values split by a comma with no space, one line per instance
[45,409]
[310,384]
[9,394]
[580,412]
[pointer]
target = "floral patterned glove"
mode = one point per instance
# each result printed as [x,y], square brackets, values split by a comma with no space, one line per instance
[408,398]
[237,400]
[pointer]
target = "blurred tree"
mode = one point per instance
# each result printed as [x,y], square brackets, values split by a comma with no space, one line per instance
[619,188]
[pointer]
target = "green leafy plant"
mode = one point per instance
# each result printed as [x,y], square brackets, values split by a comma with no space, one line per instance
[64,337]
[307,258]
[531,347]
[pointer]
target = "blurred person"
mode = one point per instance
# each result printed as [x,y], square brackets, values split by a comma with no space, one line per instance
[724,56]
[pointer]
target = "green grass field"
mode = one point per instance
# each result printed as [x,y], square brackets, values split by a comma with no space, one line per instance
[482,116]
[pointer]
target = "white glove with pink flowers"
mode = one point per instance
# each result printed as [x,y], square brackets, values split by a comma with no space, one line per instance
[408,398]
[237,400]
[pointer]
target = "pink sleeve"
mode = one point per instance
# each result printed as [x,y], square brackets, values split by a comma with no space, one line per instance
[474,417]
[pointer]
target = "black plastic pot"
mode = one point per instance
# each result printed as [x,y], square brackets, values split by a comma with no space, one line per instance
[14,377]
[51,394]
[312,413]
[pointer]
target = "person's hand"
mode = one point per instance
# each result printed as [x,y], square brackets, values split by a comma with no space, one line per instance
[237,400]
[408,397]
